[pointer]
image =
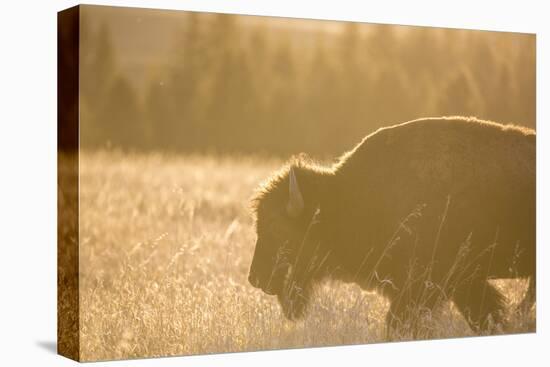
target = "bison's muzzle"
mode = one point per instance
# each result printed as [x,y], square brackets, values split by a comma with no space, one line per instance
[255,281]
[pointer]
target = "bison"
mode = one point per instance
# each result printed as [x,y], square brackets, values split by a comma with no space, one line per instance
[422,212]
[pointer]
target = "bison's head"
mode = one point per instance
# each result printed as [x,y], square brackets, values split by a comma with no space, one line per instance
[288,228]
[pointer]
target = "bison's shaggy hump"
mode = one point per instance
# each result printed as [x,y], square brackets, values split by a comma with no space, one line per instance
[449,201]
[469,120]
[308,166]
[445,133]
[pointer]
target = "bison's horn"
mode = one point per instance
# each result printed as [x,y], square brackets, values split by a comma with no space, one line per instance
[295,203]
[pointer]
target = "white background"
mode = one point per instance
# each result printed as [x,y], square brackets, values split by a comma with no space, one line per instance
[28,182]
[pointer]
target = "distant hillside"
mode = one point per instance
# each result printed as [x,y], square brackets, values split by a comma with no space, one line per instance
[144,40]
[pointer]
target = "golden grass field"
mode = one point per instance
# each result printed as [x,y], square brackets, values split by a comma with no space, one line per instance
[166,243]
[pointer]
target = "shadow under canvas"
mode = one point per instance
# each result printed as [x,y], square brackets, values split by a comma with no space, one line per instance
[48,345]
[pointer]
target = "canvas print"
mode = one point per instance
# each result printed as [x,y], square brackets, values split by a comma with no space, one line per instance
[233,183]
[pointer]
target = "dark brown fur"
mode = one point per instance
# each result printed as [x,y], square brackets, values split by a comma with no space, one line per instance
[422,212]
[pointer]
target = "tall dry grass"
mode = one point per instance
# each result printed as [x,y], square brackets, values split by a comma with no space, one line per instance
[166,244]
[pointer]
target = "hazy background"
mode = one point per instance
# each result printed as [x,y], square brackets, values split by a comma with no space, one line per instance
[198,82]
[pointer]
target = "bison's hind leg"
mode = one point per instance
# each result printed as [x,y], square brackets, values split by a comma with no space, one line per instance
[481,304]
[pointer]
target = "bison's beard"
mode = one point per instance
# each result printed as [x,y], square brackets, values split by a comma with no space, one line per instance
[294,299]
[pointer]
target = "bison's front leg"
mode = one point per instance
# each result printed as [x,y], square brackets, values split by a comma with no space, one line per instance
[395,318]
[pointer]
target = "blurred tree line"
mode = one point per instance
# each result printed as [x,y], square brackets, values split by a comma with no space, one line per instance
[233,87]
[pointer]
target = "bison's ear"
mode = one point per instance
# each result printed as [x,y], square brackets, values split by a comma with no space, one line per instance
[295,203]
